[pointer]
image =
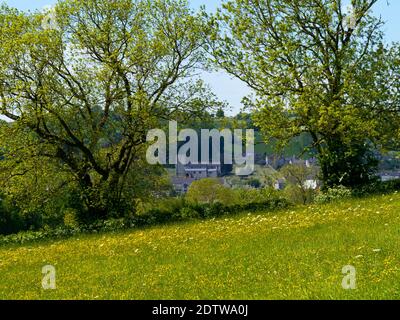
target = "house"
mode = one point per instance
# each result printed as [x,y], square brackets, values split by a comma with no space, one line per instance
[280,184]
[198,171]
[187,174]
[311,184]
[388,176]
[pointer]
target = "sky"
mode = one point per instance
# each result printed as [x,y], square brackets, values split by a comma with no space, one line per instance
[225,87]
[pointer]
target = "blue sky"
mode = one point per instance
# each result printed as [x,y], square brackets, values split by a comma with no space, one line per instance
[232,90]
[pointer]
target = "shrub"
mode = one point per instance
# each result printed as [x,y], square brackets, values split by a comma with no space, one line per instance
[378,187]
[10,218]
[152,217]
[170,204]
[188,213]
[256,196]
[209,190]
[299,195]
[14,220]
[216,209]
[333,194]
[70,218]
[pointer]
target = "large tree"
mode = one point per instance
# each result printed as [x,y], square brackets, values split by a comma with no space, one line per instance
[91,77]
[319,68]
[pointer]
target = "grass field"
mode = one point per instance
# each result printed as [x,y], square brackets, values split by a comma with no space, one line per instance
[294,254]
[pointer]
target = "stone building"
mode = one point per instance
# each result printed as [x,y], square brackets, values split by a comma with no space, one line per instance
[187,174]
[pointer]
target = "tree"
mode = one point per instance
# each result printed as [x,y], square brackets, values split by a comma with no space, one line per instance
[89,87]
[316,69]
[298,175]
[220,113]
[209,190]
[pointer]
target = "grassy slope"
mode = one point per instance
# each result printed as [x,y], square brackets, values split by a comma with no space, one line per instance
[295,254]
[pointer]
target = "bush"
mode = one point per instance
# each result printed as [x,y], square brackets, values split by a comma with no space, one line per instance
[216,209]
[10,219]
[378,187]
[298,195]
[333,194]
[188,213]
[250,197]
[160,215]
[209,190]
[170,204]
[14,220]
[70,218]
[36,213]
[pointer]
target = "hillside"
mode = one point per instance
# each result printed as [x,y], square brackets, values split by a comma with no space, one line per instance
[294,254]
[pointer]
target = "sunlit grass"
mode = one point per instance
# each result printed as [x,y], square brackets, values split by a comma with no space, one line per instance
[293,254]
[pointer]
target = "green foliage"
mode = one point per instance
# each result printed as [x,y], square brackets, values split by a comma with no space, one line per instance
[352,165]
[220,113]
[374,188]
[209,190]
[247,196]
[188,213]
[40,189]
[378,187]
[10,219]
[64,232]
[296,176]
[165,211]
[297,195]
[43,190]
[333,194]
[70,218]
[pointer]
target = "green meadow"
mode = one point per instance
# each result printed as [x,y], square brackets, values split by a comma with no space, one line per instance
[293,254]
